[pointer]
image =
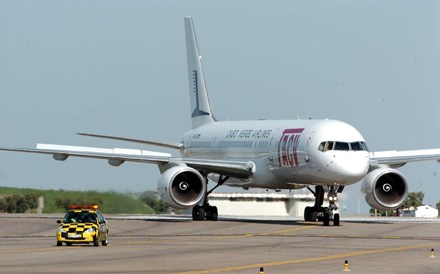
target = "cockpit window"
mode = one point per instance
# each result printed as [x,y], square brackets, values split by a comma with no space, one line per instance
[329,146]
[321,146]
[356,146]
[364,146]
[325,146]
[343,146]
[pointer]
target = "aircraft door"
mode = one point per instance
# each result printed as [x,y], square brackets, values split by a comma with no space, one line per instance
[310,145]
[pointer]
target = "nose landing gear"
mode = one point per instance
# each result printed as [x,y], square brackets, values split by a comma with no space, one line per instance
[324,214]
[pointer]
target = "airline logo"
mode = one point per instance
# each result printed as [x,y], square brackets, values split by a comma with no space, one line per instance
[288,146]
[197,111]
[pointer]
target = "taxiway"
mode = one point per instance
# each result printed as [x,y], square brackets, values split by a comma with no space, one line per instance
[150,244]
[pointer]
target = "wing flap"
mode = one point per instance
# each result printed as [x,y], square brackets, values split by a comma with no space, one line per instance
[237,169]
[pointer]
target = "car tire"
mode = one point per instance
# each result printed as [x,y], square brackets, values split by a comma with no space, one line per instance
[105,242]
[95,241]
[59,243]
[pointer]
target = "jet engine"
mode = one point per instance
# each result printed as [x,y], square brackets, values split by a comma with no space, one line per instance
[181,187]
[384,188]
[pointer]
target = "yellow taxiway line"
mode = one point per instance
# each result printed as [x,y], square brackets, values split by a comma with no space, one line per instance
[312,259]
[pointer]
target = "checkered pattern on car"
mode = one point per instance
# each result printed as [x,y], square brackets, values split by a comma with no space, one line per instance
[77,227]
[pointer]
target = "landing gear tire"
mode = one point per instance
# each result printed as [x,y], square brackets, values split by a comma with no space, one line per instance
[307,214]
[326,219]
[198,213]
[212,213]
[336,219]
[207,212]
[313,216]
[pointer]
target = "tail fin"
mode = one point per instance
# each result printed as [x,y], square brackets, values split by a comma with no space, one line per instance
[200,107]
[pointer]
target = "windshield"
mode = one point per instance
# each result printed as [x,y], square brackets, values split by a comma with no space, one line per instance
[344,146]
[80,217]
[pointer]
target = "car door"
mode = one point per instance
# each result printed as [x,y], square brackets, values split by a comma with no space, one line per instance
[102,226]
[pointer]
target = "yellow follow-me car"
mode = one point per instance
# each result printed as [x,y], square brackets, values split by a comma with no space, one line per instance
[82,224]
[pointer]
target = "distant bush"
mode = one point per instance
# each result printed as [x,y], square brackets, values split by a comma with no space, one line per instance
[19,203]
[152,200]
[80,199]
[109,202]
[57,201]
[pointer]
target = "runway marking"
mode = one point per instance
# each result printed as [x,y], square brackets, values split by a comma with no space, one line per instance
[58,248]
[159,241]
[325,235]
[288,230]
[39,249]
[155,241]
[312,259]
[275,233]
[391,237]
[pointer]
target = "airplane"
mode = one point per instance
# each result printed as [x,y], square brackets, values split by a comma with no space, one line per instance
[323,156]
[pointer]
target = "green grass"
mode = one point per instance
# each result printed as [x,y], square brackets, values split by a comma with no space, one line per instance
[110,202]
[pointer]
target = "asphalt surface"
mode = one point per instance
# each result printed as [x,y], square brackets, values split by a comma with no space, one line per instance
[178,245]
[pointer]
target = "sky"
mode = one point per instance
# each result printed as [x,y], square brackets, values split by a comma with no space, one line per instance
[119,68]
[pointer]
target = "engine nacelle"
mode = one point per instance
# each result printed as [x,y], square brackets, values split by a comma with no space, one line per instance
[384,188]
[181,187]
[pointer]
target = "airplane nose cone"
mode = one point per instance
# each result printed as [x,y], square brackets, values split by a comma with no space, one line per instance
[351,167]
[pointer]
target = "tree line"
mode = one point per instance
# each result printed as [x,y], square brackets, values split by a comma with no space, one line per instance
[59,201]
[414,200]
[19,203]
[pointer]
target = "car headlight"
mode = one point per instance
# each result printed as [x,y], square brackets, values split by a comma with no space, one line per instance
[90,230]
[60,230]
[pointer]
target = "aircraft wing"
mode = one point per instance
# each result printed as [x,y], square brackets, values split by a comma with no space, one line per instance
[117,156]
[399,158]
[145,142]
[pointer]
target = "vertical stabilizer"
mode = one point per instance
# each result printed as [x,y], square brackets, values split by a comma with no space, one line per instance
[200,108]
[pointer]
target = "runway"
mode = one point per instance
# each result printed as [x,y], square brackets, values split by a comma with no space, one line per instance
[150,244]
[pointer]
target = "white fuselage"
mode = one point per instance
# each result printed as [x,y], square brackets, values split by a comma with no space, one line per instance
[287,153]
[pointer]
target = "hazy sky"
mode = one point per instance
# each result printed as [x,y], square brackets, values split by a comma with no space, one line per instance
[119,68]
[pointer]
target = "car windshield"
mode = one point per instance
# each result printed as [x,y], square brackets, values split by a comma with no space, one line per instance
[80,217]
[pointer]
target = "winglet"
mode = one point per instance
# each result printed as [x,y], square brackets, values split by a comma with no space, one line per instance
[201,112]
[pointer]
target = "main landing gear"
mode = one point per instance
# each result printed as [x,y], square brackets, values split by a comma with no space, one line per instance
[324,214]
[205,210]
